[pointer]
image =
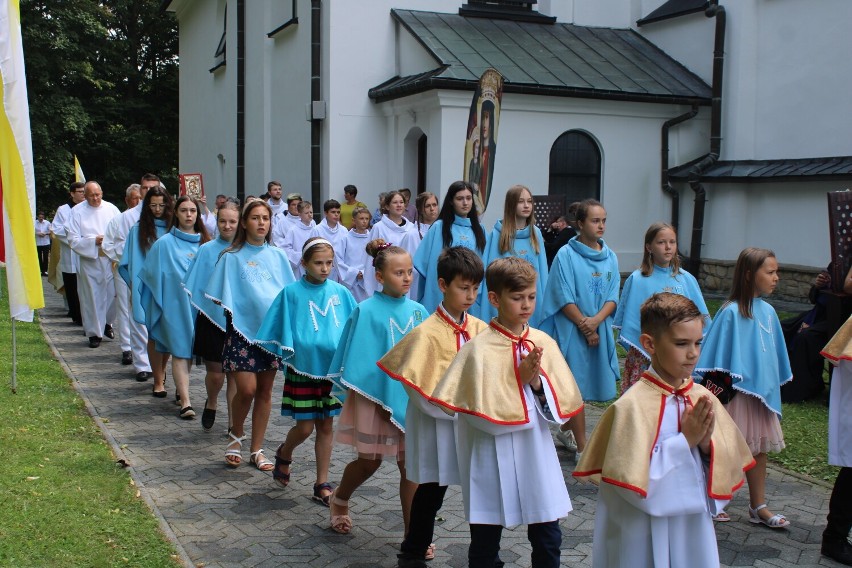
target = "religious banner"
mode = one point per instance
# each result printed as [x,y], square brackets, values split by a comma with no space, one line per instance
[480,147]
[78,171]
[17,181]
[192,185]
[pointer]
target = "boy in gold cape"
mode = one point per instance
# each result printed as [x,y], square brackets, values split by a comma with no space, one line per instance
[506,384]
[418,361]
[667,452]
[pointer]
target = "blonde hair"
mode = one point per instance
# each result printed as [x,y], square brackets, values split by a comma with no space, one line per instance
[647,266]
[507,232]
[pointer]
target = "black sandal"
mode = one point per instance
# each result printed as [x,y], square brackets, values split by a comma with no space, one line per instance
[319,497]
[283,479]
[208,418]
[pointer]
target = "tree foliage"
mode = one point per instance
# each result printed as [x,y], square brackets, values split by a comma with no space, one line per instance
[102,79]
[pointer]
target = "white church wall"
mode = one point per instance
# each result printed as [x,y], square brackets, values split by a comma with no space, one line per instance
[361,41]
[205,145]
[790,218]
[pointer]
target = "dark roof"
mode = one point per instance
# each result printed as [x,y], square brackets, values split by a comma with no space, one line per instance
[805,169]
[674,9]
[544,59]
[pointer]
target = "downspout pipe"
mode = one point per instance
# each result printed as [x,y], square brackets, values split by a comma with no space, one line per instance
[717,11]
[316,95]
[241,100]
[664,165]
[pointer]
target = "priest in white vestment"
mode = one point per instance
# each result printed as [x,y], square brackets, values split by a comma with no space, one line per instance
[86,231]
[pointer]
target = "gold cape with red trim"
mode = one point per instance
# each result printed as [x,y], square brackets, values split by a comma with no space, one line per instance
[619,450]
[482,380]
[421,357]
[840,346]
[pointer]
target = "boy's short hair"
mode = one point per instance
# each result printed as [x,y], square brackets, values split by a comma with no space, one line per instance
[293,197]
[509,274]
[304,205]
[664,309]
[330,204]
[460,262]
[361,211]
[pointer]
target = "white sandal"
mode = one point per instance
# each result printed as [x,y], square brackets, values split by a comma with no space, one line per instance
[260,461]
[777,521]
[234,452]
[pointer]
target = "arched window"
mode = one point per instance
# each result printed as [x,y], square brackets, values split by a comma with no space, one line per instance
[575,167]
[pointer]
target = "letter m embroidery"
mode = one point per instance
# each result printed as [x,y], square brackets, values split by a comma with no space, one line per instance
[400,331]
[329,306]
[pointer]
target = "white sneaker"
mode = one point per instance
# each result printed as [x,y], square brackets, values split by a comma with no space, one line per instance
[566,437]
[577,456]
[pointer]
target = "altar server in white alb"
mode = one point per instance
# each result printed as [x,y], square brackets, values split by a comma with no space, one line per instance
[122,293]
[506,384]
[114,245]
[68,258]
[835,543]
[86,230]
[334,232]
[666,455]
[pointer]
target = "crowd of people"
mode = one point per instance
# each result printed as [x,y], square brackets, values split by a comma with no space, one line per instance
[449,349]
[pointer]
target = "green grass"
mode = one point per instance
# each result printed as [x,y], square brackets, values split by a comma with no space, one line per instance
[805,427]
[63,499]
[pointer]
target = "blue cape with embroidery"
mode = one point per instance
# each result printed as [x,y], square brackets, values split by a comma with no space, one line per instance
[426,259]
[376,325]
[169,316]
[197,276]
[131,263]
[751,350]
[246,282]
[304,325]
[522,248]
[587,278]
[638,288]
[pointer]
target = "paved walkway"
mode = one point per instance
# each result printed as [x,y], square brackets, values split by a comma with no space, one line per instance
[218,516]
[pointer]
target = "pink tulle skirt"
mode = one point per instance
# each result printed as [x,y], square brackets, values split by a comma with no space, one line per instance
[366,426]
[759,426]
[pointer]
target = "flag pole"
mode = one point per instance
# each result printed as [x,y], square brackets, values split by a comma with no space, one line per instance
[14,360]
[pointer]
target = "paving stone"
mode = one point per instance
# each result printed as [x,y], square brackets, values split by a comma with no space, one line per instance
[224,517]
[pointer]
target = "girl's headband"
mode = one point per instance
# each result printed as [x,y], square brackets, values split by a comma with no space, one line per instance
[316,242]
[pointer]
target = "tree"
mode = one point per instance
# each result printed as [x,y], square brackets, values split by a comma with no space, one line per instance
[102,80]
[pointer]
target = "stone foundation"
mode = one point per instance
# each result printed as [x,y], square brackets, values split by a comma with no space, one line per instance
[794,282]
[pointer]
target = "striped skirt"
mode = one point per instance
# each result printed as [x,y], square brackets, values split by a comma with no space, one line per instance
[307,399]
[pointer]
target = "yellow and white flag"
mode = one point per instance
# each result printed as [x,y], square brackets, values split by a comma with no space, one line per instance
[78,171]
[17,182]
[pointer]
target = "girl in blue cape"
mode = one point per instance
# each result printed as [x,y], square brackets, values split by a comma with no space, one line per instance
[457,225]
[373,416]
[581,296]
[394,228]
[157,211]
[248,276]
[660,272]
[303,326]
[745,342]
[517,235]
[210,331]
[169,315]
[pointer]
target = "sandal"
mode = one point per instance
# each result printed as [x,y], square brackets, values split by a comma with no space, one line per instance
[260,461]
[722,517]
[233,455]
[282,477]
[339,523]
[430,552]
[777,521]
[319,497]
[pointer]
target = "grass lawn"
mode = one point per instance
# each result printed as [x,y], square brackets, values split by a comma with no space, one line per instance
[63,499]
[805,429]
